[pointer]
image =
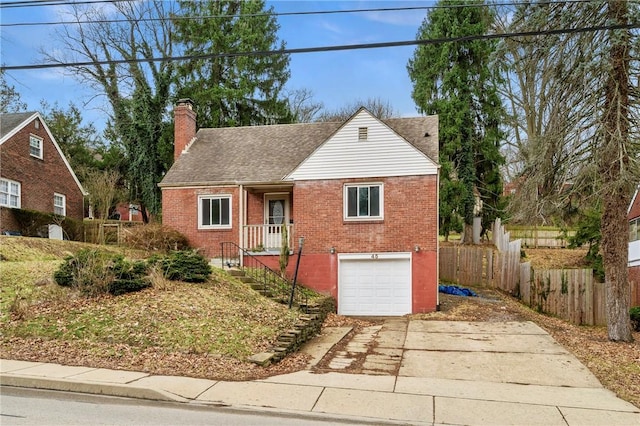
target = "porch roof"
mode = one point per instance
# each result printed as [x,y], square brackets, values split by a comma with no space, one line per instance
[234,155]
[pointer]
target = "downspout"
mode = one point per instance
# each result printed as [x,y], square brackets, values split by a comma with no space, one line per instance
[438,240]
[241,220]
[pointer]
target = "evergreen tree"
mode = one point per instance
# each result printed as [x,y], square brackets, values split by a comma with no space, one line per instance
[454,80]
[232,90]
[80,144]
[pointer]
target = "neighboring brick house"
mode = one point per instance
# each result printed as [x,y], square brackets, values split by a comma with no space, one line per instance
[634,248]
[34,174]
[127,212]
[363,193]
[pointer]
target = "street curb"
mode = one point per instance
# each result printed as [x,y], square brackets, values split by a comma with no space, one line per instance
[110,389]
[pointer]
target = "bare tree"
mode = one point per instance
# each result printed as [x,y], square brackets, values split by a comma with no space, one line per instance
[302,106]
[376,106]
[138,93]
[548,82]
[575,119]
[9,98]
[102,186]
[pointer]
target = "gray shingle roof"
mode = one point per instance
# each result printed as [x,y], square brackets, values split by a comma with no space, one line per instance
[268,153]
[10,121]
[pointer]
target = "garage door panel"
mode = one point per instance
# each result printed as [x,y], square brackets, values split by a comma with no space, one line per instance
[374,287]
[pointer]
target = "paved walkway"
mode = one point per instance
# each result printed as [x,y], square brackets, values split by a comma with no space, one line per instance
[417,372]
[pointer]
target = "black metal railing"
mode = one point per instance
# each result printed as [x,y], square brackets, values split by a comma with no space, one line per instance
[271,282]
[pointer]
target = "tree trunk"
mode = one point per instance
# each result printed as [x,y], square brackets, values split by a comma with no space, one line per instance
[614,162]
[467,234]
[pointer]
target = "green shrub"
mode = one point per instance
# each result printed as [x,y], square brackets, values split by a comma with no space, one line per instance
[92,272]
[85,271]
[588,232]
[634,313]
[128,276]
[33,223]
[186,265]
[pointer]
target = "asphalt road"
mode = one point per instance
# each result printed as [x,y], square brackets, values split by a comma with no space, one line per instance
[20,406]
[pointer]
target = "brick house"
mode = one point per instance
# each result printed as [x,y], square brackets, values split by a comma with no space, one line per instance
[34,174]
[634,248]
[362,193]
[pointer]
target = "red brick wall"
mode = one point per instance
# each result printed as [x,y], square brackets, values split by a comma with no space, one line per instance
[255,208]
[634,282]
[39,178]
[184,126]
[180,211]
[424,277]
[410,217]
[7,220]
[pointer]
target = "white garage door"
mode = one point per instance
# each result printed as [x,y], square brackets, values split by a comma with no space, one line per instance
[374,284]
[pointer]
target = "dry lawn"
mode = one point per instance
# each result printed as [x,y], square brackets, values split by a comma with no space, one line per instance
[206,331]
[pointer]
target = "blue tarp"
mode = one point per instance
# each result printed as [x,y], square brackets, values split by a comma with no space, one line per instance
[458,291]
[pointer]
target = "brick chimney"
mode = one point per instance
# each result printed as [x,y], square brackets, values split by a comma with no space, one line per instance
[185,126]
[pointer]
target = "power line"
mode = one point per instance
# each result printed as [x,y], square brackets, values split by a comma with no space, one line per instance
[38,3]
[279,14]
[325,48]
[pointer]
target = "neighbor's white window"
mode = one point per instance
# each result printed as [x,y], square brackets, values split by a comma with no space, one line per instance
[214,211]
[35,146]
[634,230]
[363,201]
[59,204]
[9,193]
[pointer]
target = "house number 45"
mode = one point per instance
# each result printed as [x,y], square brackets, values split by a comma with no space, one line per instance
[374,256]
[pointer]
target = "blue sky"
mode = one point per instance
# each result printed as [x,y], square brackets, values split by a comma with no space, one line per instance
[335,78]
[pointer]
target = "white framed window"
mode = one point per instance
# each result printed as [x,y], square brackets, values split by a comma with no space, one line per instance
[363,201]
[9,193]
[634,230]
[35,146]
[59,204]
[214,211]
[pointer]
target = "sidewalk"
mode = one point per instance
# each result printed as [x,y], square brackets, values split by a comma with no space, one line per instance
[425,391]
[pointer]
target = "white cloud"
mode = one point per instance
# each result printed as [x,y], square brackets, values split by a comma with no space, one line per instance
[402,18]
[330,27]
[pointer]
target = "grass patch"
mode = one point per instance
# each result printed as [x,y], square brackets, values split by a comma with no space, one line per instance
[220,317]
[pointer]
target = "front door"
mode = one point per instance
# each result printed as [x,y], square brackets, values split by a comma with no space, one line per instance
[276,215]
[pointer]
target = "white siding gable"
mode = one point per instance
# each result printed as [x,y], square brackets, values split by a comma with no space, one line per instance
[384,153]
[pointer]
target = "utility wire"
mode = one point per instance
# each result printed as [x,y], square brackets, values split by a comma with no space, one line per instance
[324,48]
[38,3]
[302,13]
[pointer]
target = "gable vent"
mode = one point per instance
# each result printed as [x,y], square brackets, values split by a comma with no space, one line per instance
[362,133]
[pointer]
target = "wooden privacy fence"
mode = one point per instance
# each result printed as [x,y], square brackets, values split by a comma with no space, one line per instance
[571,294]
[485,267]
[541,236]
[106,232]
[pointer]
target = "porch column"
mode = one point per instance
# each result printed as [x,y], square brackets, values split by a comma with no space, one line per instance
[241,218]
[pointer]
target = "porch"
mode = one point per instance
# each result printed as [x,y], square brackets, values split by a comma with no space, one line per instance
[266,217]
[267,238]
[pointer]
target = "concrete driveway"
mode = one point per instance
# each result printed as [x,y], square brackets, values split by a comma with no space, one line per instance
[409,372]
[479,372]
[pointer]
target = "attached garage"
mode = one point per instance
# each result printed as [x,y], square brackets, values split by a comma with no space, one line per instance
[374,284]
